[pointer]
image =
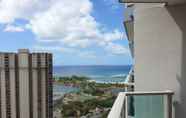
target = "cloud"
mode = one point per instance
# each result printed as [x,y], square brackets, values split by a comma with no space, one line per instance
[116,49]
[55,48]
[112,36]
[68,23]
[71,51]
[12,28]
[114,4]
[71,23]
[10,10]
[46,48]
[88,54]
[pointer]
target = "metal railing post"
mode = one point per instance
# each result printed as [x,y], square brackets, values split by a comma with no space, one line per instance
[169,105]
[126,107]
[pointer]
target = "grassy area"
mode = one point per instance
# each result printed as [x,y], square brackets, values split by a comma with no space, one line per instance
[92,96]
[72,78]
[78,108]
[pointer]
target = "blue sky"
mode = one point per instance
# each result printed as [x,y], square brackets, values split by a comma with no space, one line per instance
[83,32]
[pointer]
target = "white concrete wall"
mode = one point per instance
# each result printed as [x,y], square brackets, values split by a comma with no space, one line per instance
[160,51]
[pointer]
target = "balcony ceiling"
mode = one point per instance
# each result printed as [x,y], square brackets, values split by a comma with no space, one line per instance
[170,2]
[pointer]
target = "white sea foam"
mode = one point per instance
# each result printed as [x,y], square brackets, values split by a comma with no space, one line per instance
[119,76]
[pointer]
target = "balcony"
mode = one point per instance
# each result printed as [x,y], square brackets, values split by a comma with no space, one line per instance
[156,104]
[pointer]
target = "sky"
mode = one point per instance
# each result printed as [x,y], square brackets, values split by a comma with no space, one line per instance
[77,32]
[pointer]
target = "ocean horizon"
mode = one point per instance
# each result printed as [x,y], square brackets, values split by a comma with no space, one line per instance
[98,73]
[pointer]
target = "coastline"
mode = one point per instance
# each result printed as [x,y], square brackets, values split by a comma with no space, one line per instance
[90,91]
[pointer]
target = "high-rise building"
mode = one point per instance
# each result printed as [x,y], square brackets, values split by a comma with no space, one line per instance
[25,85]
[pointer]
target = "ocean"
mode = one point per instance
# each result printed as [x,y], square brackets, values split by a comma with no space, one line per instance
[101,74]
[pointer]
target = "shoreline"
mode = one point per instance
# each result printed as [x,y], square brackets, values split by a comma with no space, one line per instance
[101,96]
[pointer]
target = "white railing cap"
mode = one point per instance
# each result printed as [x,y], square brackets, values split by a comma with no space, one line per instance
[168,92]
[117,107]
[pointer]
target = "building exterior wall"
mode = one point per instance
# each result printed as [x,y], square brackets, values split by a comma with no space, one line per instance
[50,86]
[43,88]
[12,85]
[43,85]
[159,49]
[3,95]
[35,94]
[35,85]
[24,84]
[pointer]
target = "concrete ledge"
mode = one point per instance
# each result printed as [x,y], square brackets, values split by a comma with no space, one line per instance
[169,2]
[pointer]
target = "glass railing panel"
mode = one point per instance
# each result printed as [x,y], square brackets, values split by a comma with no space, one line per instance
[146,106]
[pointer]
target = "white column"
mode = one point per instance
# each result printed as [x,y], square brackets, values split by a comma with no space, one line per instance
[43,85]
[12,85]
[24,85]
[13,93]
[35,85]
[3,94]
[43,89]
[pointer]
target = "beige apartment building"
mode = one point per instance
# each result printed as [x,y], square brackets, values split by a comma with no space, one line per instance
[25,85]
[156,31]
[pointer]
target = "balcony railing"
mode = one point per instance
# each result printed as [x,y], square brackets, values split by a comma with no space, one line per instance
[157,104]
